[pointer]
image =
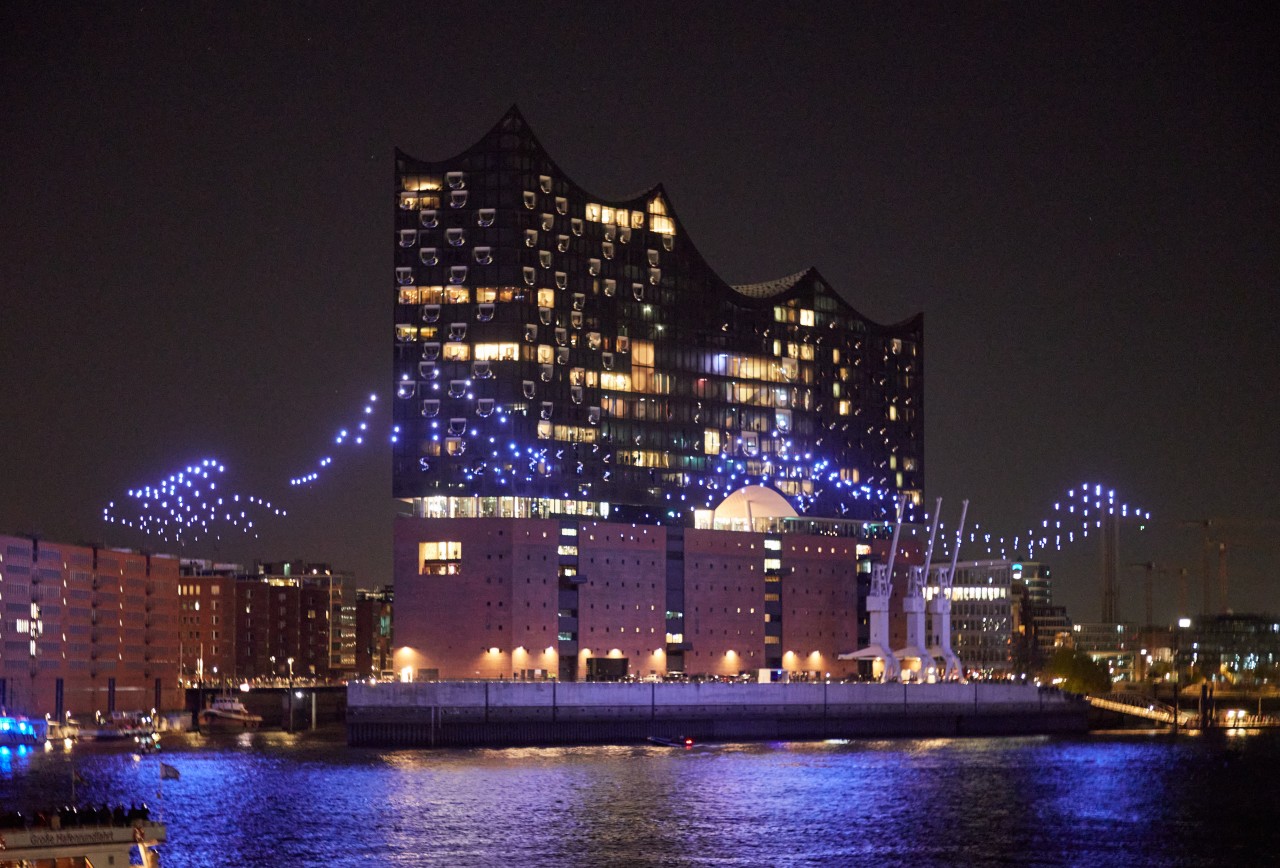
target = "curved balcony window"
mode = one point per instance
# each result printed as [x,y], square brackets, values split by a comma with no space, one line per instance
[562,243]
[544,315]
[750,444]
[406,389]
[593,267]
[544,183]
[456,180]
[544,258]
[530,199]
[545,372]
[575,225]
[431,351]
[562,355]
[655,275]
[529,388]
[579,300]
[562,205]
[653,258]
[575,394]
[575,319]
[457,331]
[547,407]
[481,370]
[404,276]
[562,280]
[408,237]
[428,256]
[485,216]
[531,238]
[455,445]
[457,388]
[431,313]
[484,407]
[562,337]
[577,376]
[457,274]
[428,219]
[593,415]
[668,242]
[637,291]
[610,286]
[530,275]
[606,250]
[484,255]
[606,361]
[624,343]
[458,199]
[484,312]
[457,426]
[431,407]
[548,222]
[455,237]
[609,232]
[593,340]
[408,201]
[530,332]
[428,370]
[624,234]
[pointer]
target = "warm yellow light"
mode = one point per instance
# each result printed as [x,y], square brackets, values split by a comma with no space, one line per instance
[493,650]
[406,674]
[615,652]
[658,652]
[548,650]
[730,653]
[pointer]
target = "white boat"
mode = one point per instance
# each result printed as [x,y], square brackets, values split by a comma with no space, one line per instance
[228,714]
[86,844]
[120,726]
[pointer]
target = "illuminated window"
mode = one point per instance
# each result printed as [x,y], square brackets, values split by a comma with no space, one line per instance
[711,441]
[806,318]
[593,212]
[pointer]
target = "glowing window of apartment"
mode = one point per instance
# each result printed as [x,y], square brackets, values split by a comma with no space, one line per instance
[622,217]
[499,352]
[711,441]
[893,412]
[606,214]
[457,352]
[642,353]
[773,545]
[593,212]
[782,418]
[457,294]
[806,318]
[546,298]
[844,408]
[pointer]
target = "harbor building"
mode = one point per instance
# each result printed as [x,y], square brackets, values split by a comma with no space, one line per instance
[86,629]
[284,620]
[981,616]
[607,452]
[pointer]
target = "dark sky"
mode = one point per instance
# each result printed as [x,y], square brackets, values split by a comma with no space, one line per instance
[196,235]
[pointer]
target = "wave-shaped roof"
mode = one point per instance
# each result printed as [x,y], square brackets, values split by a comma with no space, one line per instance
[773,291]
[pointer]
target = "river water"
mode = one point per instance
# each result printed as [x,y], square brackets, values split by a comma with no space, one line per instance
[273,799]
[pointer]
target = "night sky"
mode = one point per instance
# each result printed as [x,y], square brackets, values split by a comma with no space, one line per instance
[196,237]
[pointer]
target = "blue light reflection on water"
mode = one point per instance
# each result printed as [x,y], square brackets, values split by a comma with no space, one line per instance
[275,799]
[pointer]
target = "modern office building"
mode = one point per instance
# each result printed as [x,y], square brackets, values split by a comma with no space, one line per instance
[87,629]
[569,368]
[981,616]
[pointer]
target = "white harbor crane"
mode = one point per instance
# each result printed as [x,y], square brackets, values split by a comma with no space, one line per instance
[913,606]
[940,605]
[878,610]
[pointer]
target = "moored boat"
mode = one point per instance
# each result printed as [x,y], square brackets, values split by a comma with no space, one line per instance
[227,714]
[18,731]
[120,726]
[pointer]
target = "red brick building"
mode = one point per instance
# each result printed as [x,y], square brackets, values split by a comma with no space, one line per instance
[87,629]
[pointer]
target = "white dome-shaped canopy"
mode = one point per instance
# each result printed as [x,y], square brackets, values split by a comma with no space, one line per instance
[750,504]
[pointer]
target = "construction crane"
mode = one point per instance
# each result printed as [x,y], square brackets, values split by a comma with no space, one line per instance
[1151,569]
[1224,534]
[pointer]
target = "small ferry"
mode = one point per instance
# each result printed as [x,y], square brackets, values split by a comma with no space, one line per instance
[679,741]
[227,714]
[83,842]
[120,726]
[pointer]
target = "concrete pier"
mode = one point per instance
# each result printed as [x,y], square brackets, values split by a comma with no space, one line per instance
[432,714]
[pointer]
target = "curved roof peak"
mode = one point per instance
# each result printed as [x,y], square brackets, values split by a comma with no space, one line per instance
[770,288]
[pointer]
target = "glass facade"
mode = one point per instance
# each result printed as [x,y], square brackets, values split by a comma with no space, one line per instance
[553,347]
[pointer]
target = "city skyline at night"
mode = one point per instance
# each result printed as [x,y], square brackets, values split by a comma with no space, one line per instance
[1080,200]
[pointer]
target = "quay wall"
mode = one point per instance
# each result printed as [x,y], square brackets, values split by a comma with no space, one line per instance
[431,714]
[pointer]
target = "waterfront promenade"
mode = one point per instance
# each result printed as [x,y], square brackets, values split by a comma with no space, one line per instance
[437,714]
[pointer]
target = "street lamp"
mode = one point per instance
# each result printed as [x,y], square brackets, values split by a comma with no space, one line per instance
[1183,623]
[290,662]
